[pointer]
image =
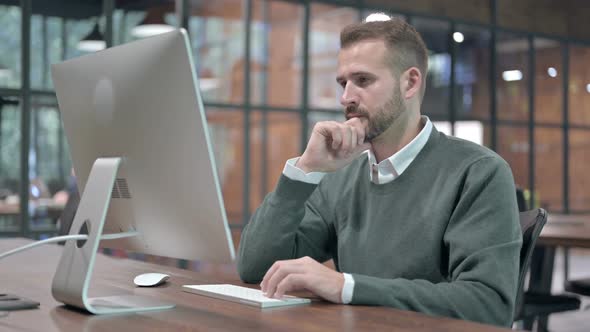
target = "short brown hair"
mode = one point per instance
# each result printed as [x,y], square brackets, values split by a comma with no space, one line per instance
[406,47]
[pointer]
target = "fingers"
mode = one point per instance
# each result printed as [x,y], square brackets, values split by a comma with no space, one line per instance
[292,282]
[278,272]
[336,134]
[333,145]
[303,274]
[353,139]
[360,127]
[347,145]
[288,273]
[267,276]
[344,137]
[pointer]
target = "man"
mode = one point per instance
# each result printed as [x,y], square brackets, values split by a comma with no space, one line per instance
[421,222]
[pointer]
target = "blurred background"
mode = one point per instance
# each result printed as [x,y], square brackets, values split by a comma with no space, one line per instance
[511,75]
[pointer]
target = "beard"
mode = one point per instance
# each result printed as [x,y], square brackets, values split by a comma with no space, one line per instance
[383,117]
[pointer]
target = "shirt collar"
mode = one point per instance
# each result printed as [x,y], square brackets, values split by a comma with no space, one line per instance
[399,161]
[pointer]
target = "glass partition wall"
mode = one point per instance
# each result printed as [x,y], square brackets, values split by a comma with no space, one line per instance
[267,75]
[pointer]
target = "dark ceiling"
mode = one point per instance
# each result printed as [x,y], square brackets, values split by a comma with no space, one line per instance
[82,9]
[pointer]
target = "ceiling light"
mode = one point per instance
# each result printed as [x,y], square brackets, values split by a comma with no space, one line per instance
[377,17]
[588,87]
[458,37]
[552,72]
[152,24]
[93,42]
[512,75]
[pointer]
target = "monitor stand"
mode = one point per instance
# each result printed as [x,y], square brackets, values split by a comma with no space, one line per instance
[74,271]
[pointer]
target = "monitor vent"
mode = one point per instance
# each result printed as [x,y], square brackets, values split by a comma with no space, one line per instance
[115,192]
[121,189]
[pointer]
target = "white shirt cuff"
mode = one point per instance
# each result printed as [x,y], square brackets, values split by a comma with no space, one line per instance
[347,288]
[294,173]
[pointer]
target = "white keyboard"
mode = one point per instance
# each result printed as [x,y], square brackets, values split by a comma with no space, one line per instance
[243,295]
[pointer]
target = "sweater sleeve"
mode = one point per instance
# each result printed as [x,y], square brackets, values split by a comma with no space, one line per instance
[287,225]
[482,244]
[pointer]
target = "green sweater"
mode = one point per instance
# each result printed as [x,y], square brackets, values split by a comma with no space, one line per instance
[443,238]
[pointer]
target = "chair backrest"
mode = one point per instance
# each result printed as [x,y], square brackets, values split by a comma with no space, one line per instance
[531,224]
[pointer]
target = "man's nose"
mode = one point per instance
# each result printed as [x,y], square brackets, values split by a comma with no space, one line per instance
[349,96]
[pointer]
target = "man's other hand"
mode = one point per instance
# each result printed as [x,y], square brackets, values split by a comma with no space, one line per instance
[334,145]
[303,274]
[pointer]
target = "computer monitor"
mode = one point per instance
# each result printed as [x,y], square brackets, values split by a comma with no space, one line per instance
[139,143]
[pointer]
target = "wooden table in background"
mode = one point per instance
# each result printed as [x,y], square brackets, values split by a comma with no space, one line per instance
[566,231]
[29,274]
[41,209]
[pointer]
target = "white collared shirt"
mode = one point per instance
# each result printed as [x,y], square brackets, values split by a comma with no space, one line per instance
[384,172]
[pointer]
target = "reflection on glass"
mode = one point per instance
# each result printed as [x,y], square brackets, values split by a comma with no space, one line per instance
[154,22]
[10,142]
[472,72]
[49,168]
[45,49]
[324,43]
[49,144]
[276,53]
[217,38]
[76,31]
[472,131]
[579,181]
[268,161]
[226,130]
[367,12]
[436,37]
[376,17]
[548,81]
[513,146]
[10,21]
[10,139]
[94,41]
[134,20]
[472,10]
[549,168]
[512,77]
[579,91]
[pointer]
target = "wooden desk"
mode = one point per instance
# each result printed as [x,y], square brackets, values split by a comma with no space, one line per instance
[30,273]
[559,231]
[566,231]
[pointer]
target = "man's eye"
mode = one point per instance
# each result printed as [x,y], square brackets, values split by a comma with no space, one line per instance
[362,81]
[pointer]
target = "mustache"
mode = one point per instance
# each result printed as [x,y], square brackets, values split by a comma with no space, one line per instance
[355,111]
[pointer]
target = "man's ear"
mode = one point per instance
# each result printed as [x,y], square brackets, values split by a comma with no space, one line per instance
[411,83]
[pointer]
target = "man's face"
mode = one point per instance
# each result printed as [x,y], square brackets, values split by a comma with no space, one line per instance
[370,88]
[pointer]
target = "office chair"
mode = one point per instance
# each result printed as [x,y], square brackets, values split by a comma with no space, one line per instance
[531,224]
[531,306]
[577,286]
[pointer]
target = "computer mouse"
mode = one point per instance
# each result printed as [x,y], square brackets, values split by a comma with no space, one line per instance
[150,279]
